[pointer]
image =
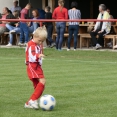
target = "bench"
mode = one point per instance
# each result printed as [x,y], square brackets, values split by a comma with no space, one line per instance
[4,39]
[87,37]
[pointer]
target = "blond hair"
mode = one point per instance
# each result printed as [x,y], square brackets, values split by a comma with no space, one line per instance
[41,32]
[61,3]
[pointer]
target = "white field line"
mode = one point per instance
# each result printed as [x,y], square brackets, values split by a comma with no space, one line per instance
[63,60]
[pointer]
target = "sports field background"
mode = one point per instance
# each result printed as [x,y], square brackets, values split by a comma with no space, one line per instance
[84,83]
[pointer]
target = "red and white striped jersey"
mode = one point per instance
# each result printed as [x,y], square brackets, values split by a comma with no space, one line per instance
[32,52]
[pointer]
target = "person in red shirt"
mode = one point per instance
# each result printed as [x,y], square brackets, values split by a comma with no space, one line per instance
[60,13]
[34,56]
[23,26]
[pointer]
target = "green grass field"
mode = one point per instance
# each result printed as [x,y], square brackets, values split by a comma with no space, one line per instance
[84,83]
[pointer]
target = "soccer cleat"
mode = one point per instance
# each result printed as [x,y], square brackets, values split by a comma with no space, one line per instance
[74,49]
[27,106]
[33,104]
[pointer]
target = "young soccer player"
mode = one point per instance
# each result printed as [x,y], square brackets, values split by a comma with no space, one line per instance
[34,58]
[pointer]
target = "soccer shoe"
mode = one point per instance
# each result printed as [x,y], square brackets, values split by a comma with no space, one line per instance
[33,104]
[27,106]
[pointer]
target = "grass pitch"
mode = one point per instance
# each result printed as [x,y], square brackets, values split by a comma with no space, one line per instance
[84,83]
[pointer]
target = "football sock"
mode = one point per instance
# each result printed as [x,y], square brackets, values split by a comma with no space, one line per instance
[38,91]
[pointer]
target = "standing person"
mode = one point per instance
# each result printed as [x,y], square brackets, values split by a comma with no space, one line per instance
[101,28]
[49,26]
[60,13]
[73,13]
[34,61]
[15,6]
[23,26]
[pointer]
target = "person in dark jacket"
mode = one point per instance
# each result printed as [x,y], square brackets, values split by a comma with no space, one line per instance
[5,15]
[49,26]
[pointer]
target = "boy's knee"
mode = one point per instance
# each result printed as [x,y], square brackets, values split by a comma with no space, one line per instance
[43,81]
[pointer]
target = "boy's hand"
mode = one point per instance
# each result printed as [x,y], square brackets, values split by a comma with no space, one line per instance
[41,56]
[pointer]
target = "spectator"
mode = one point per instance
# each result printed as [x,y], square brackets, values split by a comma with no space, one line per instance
[5,15]
[34,25]
[110,44]
[73,13]
[49,26]
[60,13]
[101,28]
[13,29]
[42,13]
[23,26]
[108,10]
[15,7]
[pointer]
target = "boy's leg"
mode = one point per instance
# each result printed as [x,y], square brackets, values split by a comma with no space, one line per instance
[37,94]
[38,90]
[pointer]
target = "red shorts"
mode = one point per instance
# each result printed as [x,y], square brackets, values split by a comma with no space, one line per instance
[34,70]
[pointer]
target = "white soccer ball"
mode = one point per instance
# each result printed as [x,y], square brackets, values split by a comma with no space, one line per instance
[47,102]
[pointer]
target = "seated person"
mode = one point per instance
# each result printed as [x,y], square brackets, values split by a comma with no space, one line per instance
[110,44]
[101,28]
[6,15]
[13,29]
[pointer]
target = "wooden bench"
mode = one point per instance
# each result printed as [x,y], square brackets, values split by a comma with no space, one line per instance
[84,36]
[113,37]
[87,37]
[4,39]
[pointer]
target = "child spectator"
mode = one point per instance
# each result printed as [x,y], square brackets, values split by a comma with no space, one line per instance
[49,26]
[34,61]
[15,6]
[60,13]
[23,26]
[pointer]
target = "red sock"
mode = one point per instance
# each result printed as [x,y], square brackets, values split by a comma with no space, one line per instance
[38,91]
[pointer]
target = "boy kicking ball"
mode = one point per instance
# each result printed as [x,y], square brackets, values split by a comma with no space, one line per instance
[34,58]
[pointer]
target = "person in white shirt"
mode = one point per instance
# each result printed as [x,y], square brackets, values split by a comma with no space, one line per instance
[15,6]
[101,28]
